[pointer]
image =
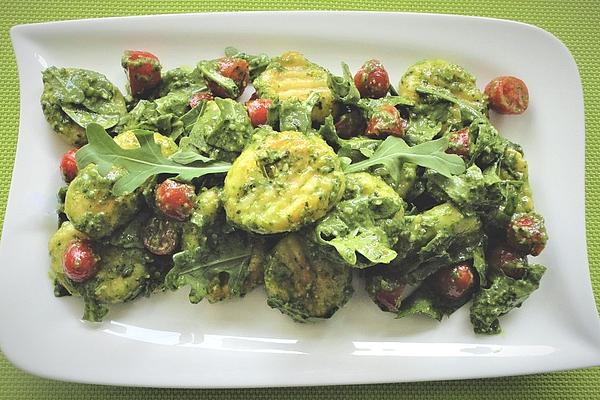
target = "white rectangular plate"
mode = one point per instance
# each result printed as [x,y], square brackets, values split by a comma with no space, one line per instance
[165,341]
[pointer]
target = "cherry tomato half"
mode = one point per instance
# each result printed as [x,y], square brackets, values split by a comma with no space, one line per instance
[68,165]
[235,69]
[526,232]
[459,143]
[175,199]
[143,71]
[455,281]
[512,263]
[200,96]
[258,110]
[508,95]
[372,80]
[80,261]
[386,120]
[349,122]
[160,236]
[390,299]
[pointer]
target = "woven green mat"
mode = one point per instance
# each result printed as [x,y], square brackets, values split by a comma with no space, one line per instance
[574,22]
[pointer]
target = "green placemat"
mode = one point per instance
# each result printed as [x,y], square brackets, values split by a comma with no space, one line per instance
[574,22]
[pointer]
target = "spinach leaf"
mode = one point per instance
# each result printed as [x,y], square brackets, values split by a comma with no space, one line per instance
[130,236]
[394,150]
[421,129]
[221,132]
[470,110]
[502,296]
[356,148]
[439,236]
[181,79]
[210,72]
[293,114]
[256,63]
[84,96]
[140,163]
[473,191]
[146,115]
[424,299]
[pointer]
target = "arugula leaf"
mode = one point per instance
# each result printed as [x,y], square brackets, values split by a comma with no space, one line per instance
[368,242]
[367,224]
[256,63]
[430,154]
[504,294]
[343,88]
[140,163]
[203,268]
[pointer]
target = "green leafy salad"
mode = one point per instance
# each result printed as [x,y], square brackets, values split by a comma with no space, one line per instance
[312,181]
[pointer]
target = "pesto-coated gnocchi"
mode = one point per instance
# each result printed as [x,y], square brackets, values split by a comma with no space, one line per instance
[282,182]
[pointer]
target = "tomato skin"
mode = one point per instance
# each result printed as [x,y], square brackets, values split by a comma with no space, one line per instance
[160,236]
[511,262]
[372,80]
[526,232]
[507,95]
[235,69]
[200,96]
[454,282]
[390,299]
[80,261]
[68,165]
[349,122]
[258,110]
[143,71]
[386,120]
[175,200]
[459,143]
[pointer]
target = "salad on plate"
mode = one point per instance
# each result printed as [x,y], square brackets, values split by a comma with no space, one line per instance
[253,170]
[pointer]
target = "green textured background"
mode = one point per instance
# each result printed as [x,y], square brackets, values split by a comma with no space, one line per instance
[574,22]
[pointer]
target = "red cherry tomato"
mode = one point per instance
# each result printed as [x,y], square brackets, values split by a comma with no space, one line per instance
[510,262]
[68,165]
[258,110]
[143,70]
[349,121]
[455,281]
[79,261]
[459,143]
[200,96]
[372,80]
[175,200]
[386,120]
[527,232]
[235,69]
[160,236]
[390,299]
[508,95]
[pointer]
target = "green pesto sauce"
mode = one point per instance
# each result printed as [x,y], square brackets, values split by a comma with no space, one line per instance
[93,209]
